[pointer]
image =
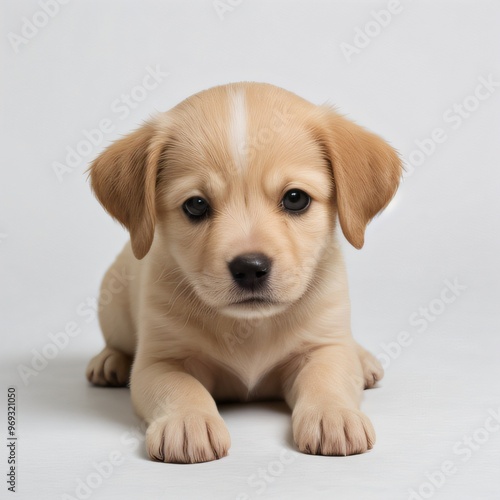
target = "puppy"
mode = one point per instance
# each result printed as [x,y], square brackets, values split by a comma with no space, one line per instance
[236,289]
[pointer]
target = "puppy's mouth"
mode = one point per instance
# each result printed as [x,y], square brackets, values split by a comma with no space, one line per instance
[254,301]
[254,307]
[258,305]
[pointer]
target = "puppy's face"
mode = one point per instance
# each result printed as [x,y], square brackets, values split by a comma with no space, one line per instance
[237,183]
[246,202]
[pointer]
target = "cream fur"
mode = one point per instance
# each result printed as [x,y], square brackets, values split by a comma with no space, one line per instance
[238,129]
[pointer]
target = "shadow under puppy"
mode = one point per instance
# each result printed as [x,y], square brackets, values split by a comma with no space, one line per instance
[237,288]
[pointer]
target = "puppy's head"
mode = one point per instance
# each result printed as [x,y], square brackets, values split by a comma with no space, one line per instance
[240,185]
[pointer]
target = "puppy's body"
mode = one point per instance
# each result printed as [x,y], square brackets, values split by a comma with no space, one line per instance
[237,359]
[200,329]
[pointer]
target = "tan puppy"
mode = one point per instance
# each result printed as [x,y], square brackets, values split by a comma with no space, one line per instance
[237,290]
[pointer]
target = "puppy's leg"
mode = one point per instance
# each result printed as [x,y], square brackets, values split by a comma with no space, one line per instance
[109,368]
[184,423]
[324,395]
[372,369]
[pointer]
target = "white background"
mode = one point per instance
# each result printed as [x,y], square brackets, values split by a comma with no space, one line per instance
[56,241]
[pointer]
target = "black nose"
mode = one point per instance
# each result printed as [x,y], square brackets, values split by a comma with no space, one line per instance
[250,270]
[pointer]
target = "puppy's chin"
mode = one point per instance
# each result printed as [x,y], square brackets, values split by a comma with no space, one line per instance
[253,310]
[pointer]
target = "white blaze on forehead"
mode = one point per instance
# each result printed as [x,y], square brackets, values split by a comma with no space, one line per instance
[238,128]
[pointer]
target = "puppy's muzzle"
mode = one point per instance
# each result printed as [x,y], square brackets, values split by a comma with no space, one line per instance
[250,271]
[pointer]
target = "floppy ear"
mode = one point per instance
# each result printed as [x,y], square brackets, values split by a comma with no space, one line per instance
[366,174]
[123,178]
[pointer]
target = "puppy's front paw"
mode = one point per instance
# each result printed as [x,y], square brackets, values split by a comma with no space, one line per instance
[332,431]
[189,438]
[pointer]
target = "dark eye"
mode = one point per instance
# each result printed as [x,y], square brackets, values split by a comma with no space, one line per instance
[296,201]
[196,207]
